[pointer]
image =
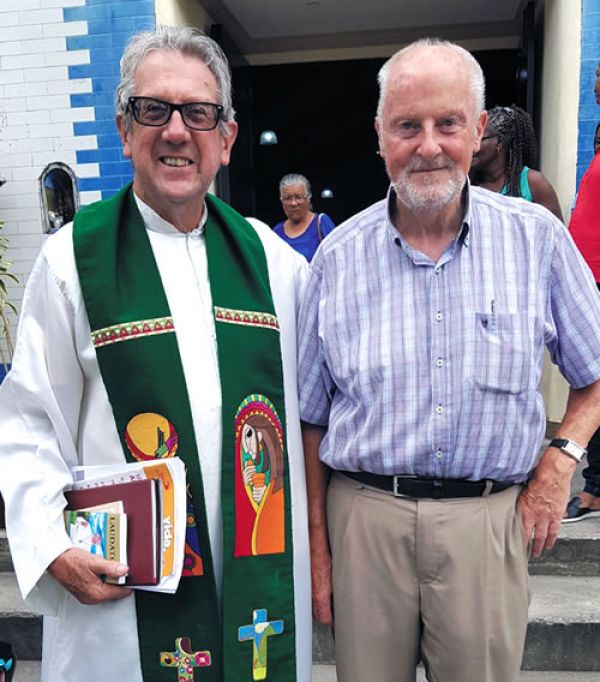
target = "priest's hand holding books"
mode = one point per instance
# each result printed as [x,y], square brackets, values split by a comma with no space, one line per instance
[82,574]
[133,513]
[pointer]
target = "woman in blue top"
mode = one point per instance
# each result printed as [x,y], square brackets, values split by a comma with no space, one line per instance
[507,158]
[303,230]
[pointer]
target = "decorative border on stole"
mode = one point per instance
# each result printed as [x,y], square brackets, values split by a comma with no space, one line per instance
[127,331]
[247,318]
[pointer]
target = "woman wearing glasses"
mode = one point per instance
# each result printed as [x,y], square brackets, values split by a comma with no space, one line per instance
[303,229]
[507,158]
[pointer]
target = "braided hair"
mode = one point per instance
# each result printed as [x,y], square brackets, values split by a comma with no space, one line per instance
[515,132]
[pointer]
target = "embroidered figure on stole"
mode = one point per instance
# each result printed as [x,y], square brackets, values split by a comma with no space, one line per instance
[259,490]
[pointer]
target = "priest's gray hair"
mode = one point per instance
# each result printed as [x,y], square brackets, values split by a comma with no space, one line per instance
[186,40]
[477,81]
[295,179]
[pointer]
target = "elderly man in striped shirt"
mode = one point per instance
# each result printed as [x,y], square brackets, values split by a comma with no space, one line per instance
[421,345]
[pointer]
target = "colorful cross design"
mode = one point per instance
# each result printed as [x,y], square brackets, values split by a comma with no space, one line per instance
[184,660]
[258,632]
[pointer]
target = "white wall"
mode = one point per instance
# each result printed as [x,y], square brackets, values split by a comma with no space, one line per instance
[181,12]
[558,148]
[560,97]
[36,118]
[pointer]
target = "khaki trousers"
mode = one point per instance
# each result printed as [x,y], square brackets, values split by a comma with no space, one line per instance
[444,581]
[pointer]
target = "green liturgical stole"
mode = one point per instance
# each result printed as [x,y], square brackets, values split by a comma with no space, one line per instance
[187,636]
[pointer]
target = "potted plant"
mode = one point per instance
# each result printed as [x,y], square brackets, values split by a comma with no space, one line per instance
[6,307]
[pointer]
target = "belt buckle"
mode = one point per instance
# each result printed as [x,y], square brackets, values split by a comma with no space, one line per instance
[437,489]
[395,492]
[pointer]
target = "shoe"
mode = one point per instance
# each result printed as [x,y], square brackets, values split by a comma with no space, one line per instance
[575,512]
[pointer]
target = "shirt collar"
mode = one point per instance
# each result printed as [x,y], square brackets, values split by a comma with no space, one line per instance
[463,233]
[155,223]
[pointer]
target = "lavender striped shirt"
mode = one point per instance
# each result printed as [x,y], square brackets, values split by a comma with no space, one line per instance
[433,369]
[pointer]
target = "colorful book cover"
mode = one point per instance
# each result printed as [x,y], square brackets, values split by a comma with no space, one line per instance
[173,517]
[101,533]
[140,500]
[172,510]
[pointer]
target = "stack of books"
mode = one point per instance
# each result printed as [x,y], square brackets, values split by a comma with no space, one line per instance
[134,514]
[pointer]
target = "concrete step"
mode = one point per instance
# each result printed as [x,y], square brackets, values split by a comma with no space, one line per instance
[576,552]
[563,632]
[564,624]
[5,560]
[326,673]
[28,671]
[20,627]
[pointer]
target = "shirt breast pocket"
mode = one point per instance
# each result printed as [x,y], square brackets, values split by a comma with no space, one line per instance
[500,360]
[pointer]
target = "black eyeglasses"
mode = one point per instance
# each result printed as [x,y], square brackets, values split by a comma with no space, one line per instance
[149,111]
[488,137]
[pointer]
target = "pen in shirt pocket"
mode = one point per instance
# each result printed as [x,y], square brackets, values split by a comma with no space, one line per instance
[493,320]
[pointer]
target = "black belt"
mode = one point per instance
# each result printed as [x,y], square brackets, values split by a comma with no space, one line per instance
[434,488]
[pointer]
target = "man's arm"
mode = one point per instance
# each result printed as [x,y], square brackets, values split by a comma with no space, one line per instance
[317,477]
[543,501]
[40,403]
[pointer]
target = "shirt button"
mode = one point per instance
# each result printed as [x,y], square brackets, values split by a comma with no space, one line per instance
[439,362]
[439,317]
[439,454]
[439,409]
[438,270]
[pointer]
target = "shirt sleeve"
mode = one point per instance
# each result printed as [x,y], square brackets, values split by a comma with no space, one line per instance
[316,386]
[39,427]
[573,333]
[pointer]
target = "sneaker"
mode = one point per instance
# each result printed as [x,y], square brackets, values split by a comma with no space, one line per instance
[8,662]
[575,512]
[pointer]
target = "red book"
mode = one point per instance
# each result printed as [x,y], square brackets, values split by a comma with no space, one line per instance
[141,505]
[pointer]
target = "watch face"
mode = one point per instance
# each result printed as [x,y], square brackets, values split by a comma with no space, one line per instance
[569,448]
[574,450]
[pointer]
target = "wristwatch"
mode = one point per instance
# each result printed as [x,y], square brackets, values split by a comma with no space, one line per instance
[569,447]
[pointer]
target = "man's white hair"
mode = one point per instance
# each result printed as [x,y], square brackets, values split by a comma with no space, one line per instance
[477,81]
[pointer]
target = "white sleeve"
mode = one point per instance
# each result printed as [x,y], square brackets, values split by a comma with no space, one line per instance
[40,403]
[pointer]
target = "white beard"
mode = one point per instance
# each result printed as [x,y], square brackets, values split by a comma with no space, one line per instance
[434,194]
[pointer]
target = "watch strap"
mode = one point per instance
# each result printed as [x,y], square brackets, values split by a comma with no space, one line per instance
[569,447]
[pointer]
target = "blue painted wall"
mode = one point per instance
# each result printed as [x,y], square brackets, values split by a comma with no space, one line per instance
[589,111]
[110,24]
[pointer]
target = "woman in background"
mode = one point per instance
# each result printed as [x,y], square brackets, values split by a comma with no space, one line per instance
[507,159]
[303,229]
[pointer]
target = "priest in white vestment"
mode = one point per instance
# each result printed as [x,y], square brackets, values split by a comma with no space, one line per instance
[56,412]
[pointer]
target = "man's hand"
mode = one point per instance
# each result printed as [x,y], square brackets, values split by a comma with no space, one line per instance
[543,501]
[79,572]
[320,571]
